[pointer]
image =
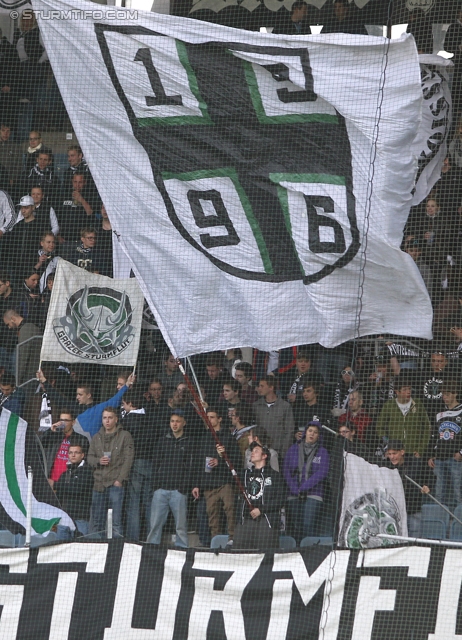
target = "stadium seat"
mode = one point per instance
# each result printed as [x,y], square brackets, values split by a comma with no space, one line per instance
[7,539]
[435,522]
[40,541]
[312,540]
[434,529]
[19,540]
[456,527]
[287,542]
[219,542]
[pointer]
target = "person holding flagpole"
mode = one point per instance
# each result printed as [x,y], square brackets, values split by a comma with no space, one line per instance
[88,413]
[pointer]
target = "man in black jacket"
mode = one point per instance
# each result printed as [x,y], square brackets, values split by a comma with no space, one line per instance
[295,23]
[216,377]
[258,527]
[77,210]
[85,255]
[43,175]
[445,457]
[139,488]
[173,463]
[213,477]
[409,465]
[74,490]
[345,19]
[156,406]
[57,442]
[76,164]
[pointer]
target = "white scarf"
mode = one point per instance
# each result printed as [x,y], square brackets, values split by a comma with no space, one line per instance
[34,149]
[404,408]
[45,413]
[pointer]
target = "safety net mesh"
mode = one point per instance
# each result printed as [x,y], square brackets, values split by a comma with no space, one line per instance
[230,325]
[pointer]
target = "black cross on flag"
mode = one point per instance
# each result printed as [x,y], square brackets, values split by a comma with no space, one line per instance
[251,169]
[218,147]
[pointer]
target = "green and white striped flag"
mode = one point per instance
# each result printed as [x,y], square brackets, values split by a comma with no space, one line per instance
[13,479]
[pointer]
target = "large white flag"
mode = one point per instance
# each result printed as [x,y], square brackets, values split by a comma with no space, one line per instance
[373,503]
[92,318]
[260,183]
[13,480]
[431,143]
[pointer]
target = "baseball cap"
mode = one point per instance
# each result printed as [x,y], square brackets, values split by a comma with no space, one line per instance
[26,201]
[395,445]
[263,448]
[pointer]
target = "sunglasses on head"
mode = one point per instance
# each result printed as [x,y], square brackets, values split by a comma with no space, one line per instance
[348,372]
[256,444]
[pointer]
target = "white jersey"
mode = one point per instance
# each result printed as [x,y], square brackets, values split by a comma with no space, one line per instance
[8,213]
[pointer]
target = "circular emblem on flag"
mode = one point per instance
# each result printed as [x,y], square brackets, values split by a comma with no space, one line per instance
[368,515]
[447,435]
[97,324]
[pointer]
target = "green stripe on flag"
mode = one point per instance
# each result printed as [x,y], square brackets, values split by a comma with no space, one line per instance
[10,469]
[42,526]
[39,525]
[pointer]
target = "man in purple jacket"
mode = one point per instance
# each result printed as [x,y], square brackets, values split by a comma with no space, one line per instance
[306,466]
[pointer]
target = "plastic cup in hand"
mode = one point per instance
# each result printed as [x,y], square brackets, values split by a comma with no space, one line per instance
[107,454]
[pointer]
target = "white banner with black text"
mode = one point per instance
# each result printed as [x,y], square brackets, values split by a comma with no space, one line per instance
[122,591]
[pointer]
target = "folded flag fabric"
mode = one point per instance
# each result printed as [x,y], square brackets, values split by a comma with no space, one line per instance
[17,450]
[373,503]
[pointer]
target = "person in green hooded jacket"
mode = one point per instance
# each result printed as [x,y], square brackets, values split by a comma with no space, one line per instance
[405,419]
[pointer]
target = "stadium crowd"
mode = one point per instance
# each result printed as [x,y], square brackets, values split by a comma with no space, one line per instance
[282,419]
[284,431]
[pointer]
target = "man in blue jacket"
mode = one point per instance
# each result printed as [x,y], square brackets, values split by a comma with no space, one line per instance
[89,415]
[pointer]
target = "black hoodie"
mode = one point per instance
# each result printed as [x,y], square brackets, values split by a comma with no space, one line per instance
[266,490]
